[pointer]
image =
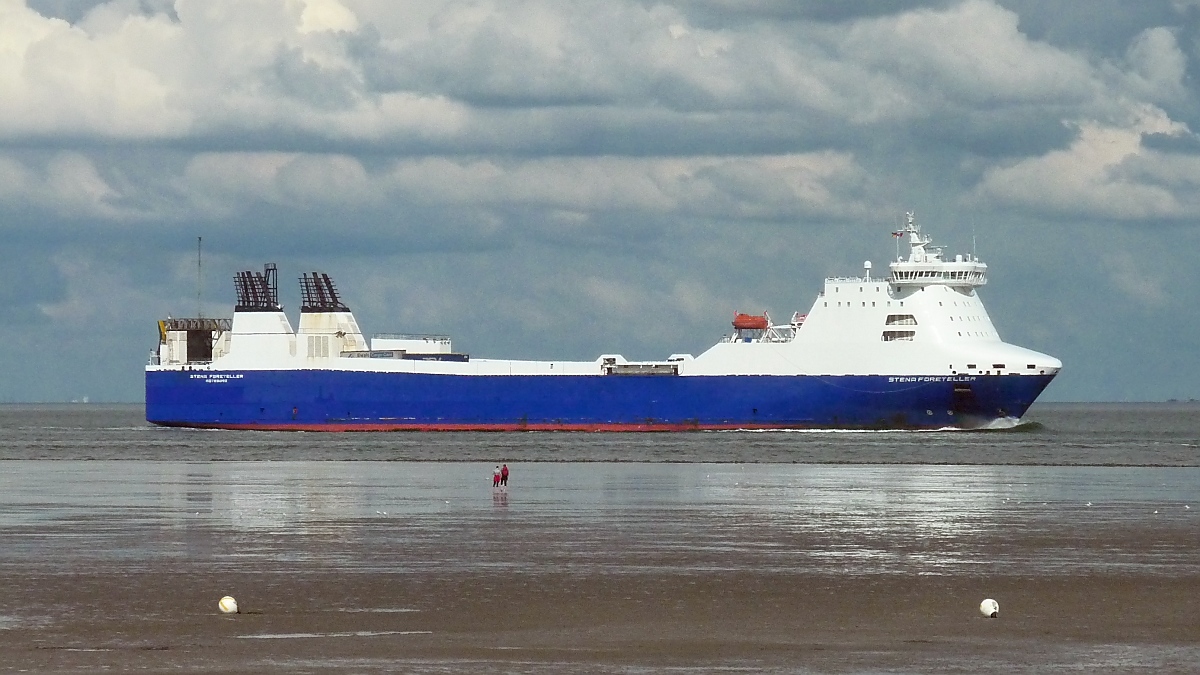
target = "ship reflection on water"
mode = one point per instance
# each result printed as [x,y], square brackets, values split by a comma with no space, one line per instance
[830,519]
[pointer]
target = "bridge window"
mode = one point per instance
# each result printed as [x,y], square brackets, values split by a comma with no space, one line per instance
[901,320]
[892,335]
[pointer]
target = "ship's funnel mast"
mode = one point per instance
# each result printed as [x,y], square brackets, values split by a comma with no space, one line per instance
[258,292]
[320,295]
[326,322]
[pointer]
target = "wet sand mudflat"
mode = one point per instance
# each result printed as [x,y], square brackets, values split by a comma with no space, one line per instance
[315,618]
[378,567]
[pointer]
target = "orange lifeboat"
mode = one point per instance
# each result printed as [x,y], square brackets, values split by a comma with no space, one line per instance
[750,321]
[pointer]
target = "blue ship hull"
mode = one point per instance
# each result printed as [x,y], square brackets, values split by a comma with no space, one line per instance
[331,400]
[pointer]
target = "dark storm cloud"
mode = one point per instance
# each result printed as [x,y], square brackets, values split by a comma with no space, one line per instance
[1188,144]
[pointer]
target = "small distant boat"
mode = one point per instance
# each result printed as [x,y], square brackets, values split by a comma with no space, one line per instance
[913,349]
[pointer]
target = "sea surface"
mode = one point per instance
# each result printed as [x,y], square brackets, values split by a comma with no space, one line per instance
[1133,435]
[93,486]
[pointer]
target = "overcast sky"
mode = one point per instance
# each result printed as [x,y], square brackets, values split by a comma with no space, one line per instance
[555,179]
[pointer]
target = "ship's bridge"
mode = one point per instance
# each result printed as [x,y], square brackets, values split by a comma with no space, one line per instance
[925,266]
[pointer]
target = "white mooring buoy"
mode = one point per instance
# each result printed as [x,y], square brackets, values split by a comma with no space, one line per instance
[228,605]
[989,608]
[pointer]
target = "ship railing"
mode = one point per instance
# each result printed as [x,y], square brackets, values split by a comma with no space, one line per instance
[156,360]
[640,368]
[785,333]
[428,337]
[199,323]
[773,333]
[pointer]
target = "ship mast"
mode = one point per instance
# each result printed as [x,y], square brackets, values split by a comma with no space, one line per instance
[199,279]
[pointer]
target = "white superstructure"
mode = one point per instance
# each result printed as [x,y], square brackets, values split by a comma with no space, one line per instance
[924,318]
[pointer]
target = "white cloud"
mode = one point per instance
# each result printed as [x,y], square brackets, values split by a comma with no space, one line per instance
[411,74]
[55,77]
[224,184]
[488,152]
[326,15]
[247,66]
[766,186]
[1092,176]
[68,184]
[772,187]
[1156,65]
[972,52]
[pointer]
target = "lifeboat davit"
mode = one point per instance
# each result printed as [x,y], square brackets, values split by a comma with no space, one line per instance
[750,322]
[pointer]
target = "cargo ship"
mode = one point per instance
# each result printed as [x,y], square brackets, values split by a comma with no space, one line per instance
[912,349]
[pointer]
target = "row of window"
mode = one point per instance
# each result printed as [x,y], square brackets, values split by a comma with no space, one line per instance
[996,366]
[930,274]
[889,304]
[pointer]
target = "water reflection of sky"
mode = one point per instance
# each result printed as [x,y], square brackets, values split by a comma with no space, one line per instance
[606,517]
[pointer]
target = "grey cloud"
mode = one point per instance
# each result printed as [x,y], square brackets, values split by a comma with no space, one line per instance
[1102,27]
[322,88]
[1176,143]
[549,179]
[715,13]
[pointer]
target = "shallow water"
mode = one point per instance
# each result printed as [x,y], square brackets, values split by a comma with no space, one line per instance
[880,519]
[90,495]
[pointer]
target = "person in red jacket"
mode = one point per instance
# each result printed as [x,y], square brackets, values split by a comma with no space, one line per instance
[504,475]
